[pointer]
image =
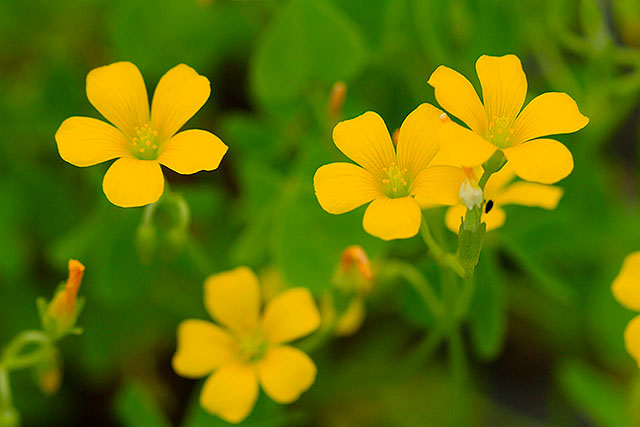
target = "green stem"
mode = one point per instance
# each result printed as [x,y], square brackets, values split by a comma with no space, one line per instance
[443,258]
[418,282]
[12,359]
[459,374]
[5,389]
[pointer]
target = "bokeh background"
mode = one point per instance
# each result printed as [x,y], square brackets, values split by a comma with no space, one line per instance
[543,341]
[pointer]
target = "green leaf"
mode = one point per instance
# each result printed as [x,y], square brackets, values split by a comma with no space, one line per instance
[318,44]
[134,407]
[593,394]
[487,316]
[310,241]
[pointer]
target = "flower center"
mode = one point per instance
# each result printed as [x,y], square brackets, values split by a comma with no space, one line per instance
[144,145]
[501,132]
[253,347]
[395,183]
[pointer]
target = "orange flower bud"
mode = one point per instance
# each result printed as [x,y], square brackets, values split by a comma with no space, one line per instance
[61,313]
[355,255]
[336,99]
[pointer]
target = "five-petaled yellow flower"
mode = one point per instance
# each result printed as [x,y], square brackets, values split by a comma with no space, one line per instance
[140,139]
[396,182]
[626,289]
[500,191]
[248,349]
[498,124]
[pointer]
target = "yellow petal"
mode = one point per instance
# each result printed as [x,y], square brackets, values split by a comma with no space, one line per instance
[530,194]
[494,219]
[366,141]
[498,181]
[202,347]
[467,148]
[233,298]
[454,216]
[341,187]
[130,182]
[504,85]
[390,219]
[192,151]
[290,315]
[626,286]
[83,141]
[548,114]
[632,338]
[417,142]
[542,160]
[181,92]
[458,97]
[118,92]
[438,185]
[231,392]
[352,318]
[285,373]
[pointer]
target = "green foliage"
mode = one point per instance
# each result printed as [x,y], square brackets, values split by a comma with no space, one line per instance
[540,296]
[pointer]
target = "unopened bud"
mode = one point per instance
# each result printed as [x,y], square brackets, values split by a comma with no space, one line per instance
[356,256]
[49,374]
[336,99]
[470,194]
[61,313]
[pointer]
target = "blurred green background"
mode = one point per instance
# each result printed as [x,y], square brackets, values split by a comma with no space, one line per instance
[543,340]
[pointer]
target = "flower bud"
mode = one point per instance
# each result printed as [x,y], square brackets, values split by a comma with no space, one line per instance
[48,374]
[336,99]
[60,315]
[470,194]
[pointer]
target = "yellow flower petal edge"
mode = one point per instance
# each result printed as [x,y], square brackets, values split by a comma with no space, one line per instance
[231,392]
[391,219]
[548,114]
[290,315]
[461,144]
[83,141]
[626,286]
[192,151]
[233,298]
[530,194]
[504,85]
[417,139]
[202,347]
[285,373]
[342,187]
[457,96]
[181,92]
[131,182]
[632,339]
[365,140]
[542,160]
[118,92]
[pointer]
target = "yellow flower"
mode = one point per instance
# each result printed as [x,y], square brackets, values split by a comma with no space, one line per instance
[500,125]
[140,139]
[500,191]
[626,289]
[247,348]
[396,182]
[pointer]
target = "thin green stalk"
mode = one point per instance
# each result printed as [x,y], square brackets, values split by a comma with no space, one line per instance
[443,258]
[418,282]
[6,400]
[12,358]
[459,374]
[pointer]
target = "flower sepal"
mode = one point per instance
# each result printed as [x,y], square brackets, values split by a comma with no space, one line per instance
[470,238]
